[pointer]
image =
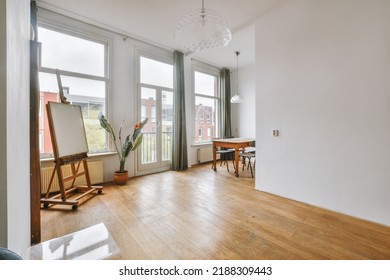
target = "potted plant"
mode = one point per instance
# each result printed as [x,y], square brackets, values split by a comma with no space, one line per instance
[131,142]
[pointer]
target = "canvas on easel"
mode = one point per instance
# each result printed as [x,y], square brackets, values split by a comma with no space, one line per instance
[69,147]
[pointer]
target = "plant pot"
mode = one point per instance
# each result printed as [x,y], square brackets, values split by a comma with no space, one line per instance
[120,178]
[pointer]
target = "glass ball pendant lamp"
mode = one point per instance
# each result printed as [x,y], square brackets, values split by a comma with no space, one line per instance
[202,30]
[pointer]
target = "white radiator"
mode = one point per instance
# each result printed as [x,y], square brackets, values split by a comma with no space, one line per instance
[205,155]
[95,169]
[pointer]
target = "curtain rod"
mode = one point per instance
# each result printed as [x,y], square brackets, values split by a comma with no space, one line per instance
[202,61]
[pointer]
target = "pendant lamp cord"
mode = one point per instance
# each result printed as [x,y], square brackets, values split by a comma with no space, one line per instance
[237,53]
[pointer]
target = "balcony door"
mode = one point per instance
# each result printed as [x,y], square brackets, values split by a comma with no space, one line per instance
[156,104]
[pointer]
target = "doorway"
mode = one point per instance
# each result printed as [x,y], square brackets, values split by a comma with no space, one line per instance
[156,104]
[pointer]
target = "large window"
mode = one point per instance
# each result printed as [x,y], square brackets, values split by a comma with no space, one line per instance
[206,105]
[82,64]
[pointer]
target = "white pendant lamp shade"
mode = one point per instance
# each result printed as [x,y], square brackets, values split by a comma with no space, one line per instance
[201,30]
[236,98]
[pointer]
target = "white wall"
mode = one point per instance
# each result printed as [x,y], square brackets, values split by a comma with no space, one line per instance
[3,122]
[322,78]
[244,114]
[14,102]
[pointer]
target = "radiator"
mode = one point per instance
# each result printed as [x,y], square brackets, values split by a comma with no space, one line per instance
[95,169]
[205,155]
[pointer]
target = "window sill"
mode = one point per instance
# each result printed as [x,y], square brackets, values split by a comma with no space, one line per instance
[202,144]
[97,155]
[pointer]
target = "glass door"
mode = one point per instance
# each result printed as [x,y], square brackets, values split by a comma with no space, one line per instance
[155,152]
[148,110]
[166,125]
[156,104]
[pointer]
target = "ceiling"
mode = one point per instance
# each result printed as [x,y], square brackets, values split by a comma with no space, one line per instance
[154,21]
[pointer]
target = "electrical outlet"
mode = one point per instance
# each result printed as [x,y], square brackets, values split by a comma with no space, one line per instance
[275,132]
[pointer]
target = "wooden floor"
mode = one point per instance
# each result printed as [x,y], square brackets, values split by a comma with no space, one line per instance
[202,214]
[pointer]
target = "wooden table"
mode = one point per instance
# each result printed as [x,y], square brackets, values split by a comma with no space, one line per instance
[231,143]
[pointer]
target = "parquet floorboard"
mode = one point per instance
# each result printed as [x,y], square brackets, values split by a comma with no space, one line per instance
[202,214]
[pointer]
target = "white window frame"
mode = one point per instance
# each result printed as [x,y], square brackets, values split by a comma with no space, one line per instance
[204,68]
[162,56]
[81,30]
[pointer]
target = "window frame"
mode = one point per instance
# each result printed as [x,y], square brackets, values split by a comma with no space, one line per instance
[207,69]
[162,56]
[82,35]
[79,30]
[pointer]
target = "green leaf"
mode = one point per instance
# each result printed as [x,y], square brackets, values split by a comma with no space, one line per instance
[120,130]
[106,125]
[127,147]
[137,142]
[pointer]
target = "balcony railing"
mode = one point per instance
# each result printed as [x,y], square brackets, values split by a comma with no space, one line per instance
[149,147]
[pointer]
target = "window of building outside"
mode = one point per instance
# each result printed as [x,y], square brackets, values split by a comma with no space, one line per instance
[82,64]
[143,112]
[206,106]
[153,118]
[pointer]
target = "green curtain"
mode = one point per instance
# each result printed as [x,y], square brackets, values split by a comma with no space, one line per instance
[179,149]
[225,111]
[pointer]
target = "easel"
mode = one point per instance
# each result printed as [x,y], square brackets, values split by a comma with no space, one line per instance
[64,195]
[68,156]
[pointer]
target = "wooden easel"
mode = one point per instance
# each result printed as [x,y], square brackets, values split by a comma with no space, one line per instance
[66,120]
[66,196]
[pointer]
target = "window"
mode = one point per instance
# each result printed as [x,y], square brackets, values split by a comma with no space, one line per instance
[201,113]
[156,73]
[40,142]
[82,64]
[167,114]
[40,107]
[143,112]
[206,105]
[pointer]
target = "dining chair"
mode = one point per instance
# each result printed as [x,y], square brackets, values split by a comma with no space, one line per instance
[247,155]
[224,156]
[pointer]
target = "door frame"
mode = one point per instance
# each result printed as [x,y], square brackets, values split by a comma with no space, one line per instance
[164,57]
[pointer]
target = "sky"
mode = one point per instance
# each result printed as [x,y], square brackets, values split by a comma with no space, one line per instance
[70,53]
